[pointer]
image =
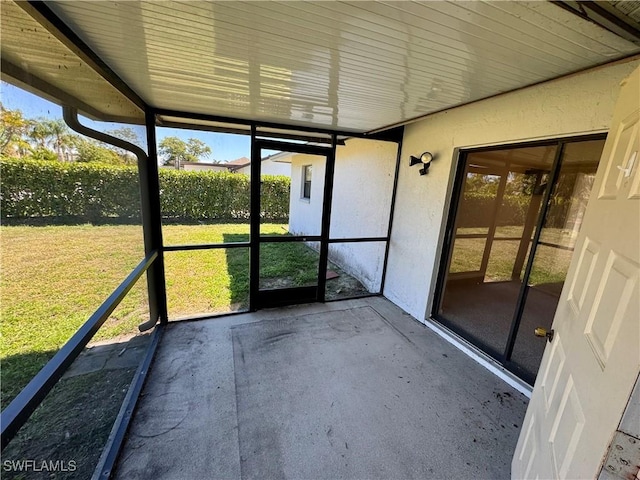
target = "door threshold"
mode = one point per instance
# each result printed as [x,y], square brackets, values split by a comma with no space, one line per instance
[480,357]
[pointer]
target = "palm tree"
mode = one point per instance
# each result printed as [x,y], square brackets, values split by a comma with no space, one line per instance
[58,135]
[38,133]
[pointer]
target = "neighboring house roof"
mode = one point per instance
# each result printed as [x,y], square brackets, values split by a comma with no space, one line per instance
[239,162]
[281,157]
[204,164]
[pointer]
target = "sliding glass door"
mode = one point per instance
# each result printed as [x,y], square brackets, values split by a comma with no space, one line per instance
[554,249]
[511,232]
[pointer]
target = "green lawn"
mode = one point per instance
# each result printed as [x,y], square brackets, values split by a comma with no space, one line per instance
[54,277]
[195,284]
[550,266]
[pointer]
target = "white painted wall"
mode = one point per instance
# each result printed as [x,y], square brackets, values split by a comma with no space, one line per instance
[363,261]
[362,188]
[269,167]
[203,167]
[582,103]
[305,215]
[363,185]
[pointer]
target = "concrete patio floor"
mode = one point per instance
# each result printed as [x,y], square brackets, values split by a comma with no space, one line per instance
[344,390]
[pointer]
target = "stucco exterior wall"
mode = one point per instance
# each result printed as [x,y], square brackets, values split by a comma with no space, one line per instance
[579,104]
[363,261]
[269,168]
[362,190]
[305,215]
[275,168]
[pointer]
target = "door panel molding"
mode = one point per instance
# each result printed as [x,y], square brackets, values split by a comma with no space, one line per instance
[567,428]
[624,145]
[552,372]
[529,447]
[611,301]
[584,272]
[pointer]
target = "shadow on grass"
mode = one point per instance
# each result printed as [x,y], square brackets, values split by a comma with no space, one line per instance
[71,426]
[73,422]
[18,370]
[284,265]
[238,266]
[68,221]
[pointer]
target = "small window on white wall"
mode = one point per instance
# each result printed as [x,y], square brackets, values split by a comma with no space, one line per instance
[306,182]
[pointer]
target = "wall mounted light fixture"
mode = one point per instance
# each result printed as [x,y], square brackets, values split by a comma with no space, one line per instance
[424,159]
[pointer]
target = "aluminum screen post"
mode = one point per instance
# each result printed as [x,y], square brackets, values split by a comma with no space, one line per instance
[152,223]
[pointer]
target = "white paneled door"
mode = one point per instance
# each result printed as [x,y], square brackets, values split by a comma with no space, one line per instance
[589,368]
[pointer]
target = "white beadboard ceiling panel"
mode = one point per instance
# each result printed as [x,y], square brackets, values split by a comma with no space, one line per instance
[630,8]
[350,66]
[34,59]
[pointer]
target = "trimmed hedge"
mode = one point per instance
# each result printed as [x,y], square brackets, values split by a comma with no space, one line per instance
[31,188]
[477,210]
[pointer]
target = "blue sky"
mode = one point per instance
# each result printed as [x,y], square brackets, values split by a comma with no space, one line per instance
[223,146]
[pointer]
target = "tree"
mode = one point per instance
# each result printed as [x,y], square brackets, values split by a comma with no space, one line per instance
[38,133]
[482,184]
[129,135]
[20,136]
[125,133]
[196,149]
[53,133]
[13,128]
[51,139]
[175,151]
[43,153]
[91,151]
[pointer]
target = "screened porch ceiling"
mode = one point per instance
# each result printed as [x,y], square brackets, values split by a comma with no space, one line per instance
[342,66]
